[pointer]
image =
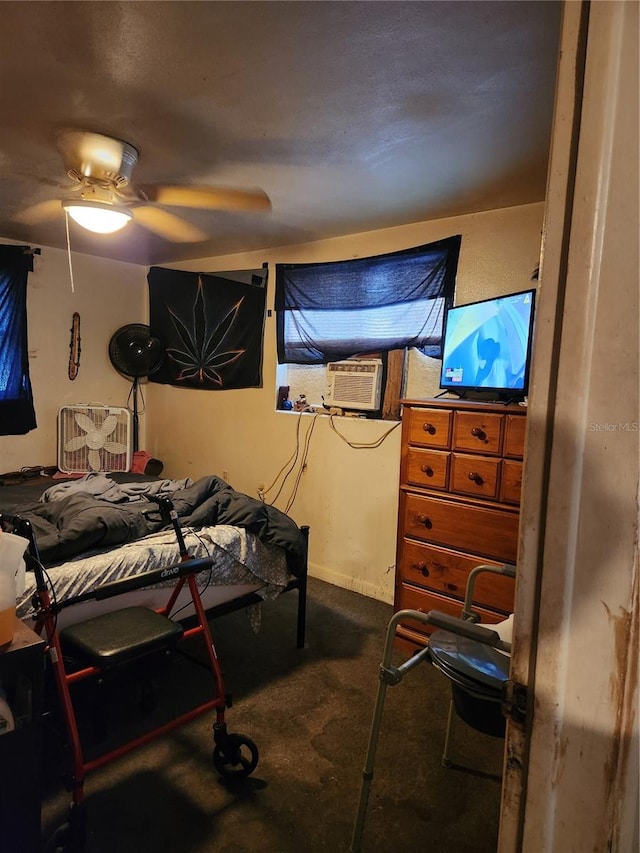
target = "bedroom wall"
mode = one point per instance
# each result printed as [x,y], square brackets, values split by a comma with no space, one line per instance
[107,295]
[347,496]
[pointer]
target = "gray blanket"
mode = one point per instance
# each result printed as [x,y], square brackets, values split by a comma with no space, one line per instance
[73,521]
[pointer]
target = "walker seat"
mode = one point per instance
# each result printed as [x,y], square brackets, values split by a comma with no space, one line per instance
[120,636]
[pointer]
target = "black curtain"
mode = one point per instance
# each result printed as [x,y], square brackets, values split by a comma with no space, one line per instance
[17,414]
[210,325]
[330,311]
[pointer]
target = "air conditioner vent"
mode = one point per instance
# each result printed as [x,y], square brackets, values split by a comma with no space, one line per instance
[355,384]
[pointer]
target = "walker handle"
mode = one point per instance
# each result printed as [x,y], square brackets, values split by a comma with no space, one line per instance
[465,629]
[186,567]
[170,516]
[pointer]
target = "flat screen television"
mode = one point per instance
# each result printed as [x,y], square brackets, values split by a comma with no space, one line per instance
[487,347]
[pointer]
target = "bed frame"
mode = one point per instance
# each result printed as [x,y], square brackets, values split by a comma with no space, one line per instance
[251,598]
[26,488]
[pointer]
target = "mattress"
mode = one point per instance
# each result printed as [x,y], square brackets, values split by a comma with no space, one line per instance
[241,564]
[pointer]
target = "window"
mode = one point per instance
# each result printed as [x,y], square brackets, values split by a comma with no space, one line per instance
[17,415]
[331,311]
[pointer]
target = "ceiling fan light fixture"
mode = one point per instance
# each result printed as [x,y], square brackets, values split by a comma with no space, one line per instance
[96,216]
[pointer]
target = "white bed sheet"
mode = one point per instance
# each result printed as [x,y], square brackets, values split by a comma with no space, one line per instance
[242,563]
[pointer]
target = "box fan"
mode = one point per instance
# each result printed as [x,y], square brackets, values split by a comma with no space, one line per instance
[94,438]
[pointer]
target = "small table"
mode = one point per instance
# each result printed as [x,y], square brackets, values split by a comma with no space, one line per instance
[22,680]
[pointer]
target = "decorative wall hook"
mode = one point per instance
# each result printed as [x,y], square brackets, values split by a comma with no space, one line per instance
[74,347]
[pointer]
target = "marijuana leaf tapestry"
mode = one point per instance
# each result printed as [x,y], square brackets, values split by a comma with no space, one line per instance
[210,326]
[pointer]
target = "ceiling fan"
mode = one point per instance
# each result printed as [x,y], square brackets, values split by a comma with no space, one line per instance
[103,199]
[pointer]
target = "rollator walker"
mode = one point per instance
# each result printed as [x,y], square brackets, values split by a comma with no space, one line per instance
[99,645]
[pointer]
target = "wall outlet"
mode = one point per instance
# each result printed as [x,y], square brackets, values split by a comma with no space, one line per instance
[225,476]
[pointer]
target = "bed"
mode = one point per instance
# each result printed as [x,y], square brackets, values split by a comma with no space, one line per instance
[104,527]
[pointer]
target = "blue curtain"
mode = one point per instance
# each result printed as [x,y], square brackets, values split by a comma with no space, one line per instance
[17,415]
[330,311]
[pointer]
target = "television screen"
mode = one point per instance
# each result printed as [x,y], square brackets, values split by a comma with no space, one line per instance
[487,345]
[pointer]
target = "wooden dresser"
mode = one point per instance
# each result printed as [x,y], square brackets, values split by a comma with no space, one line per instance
[460,480]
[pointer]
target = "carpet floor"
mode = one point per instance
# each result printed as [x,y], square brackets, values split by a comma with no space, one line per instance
[309,712]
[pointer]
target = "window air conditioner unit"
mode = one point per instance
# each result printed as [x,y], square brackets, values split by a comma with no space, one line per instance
[354,384]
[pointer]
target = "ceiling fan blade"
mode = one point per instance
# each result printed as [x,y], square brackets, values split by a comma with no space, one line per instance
[168,226]
[209,198]
[40,212]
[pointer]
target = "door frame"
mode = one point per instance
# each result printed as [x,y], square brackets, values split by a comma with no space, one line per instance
[571,770]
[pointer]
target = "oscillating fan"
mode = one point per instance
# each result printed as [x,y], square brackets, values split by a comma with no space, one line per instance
[93,438]
[135,353]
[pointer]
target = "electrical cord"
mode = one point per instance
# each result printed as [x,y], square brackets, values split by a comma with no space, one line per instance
[202,585]
[138,387]
[66,221]
[303,465]
[53,596]
[290,463]
[361,445]
[36,606]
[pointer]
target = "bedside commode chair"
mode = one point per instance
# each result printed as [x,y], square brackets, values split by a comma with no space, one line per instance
[476,660]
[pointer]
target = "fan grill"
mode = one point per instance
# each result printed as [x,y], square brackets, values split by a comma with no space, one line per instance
[94,438]
[134,352]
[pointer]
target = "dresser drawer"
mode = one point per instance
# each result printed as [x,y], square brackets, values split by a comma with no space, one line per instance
[429,427]
[492,533]
[427,468]
[448,571]
[479,432]
[511,481]
[475,475]
[515,426]
[410,598]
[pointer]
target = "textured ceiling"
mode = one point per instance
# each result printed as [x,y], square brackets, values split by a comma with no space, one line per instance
[352,116]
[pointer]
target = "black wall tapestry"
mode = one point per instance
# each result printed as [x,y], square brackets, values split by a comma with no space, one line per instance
[210,325]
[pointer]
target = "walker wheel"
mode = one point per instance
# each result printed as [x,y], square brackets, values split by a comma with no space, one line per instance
[70,837]
[63,841]
[231,760]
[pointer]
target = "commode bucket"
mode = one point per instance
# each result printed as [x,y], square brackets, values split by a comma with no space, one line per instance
[12,581]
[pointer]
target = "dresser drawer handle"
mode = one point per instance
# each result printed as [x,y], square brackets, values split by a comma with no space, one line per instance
[422,568]
[429,428]
[427,469]
[478,433]
[423,519]
[475,478]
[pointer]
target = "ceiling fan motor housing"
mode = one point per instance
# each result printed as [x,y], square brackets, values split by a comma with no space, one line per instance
[97,157]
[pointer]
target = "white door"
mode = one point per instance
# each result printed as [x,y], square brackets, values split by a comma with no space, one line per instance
[571,772]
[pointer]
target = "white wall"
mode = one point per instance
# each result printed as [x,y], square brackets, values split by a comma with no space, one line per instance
[347,496]
[107,295]
[579,550]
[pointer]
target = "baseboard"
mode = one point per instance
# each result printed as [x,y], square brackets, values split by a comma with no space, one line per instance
[371,590]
